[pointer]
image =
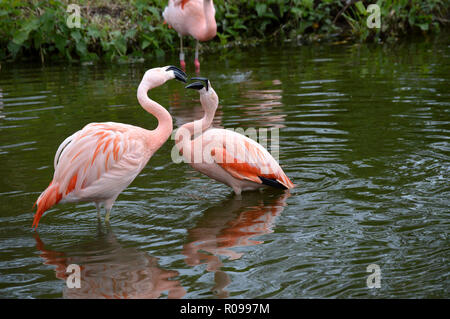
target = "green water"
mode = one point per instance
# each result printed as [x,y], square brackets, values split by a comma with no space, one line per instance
[364,134]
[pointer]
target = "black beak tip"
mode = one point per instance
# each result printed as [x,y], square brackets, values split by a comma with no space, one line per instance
[195,86]
[179,74]
[205,80]
[181,78]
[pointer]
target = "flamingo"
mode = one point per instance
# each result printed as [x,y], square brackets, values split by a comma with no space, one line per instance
[195,18]
[226,156]
[99,161]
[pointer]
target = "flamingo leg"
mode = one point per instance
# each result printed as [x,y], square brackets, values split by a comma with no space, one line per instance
[237,191]
[196,61]
[97,205]
[182,63]
[108,213]
[108,206]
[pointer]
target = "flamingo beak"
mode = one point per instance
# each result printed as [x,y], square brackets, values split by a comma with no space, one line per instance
[204,80]
[195,86]
[179,74]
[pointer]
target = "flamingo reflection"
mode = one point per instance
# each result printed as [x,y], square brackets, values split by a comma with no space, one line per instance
[262,103]
[111,271]
[234,223]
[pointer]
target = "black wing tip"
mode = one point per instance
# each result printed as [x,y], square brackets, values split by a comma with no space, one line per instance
[272,182]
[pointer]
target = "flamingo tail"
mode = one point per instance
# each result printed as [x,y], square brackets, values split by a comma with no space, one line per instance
[48,198]
[272,182]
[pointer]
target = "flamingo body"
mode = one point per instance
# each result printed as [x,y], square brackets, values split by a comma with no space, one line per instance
[239,162]
[227,156]
[99,161]
[192,18]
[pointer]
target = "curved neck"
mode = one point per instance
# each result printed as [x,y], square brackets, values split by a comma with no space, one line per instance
[165,126]
[199,126]
[183,136]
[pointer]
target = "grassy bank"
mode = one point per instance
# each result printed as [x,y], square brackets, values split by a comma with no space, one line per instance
[120,30]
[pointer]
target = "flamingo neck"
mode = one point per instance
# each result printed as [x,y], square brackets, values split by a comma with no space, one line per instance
[210,21]
[183,137]
[199,126]
[162,132]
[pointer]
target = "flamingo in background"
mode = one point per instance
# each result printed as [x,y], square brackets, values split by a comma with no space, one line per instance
[224,155]
[98,162]
[191,17]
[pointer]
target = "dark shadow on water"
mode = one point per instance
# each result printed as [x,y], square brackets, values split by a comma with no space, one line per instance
[109,270]
[233,223]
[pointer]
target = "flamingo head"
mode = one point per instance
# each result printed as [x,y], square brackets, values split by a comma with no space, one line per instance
[177,73]
[158,76]
[208,97]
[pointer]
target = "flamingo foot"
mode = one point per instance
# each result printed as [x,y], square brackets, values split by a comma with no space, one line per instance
[183,65]
[197,65]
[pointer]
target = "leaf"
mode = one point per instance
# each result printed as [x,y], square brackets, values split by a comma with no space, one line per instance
[155,11]
[231,15]
[424,26]
[48,21]
[270,15]
[60,42]
[121,45]
[296,11]
[13,48]
[238,25]
[145,44]
[260,9]
[140,6]
[308,3]
[93,32]
[130,33]
[159,52]
[38,40]
[76,35]
[115,34]
[32,25]
[68,56]
[81,49]
[21,35]
[361,9]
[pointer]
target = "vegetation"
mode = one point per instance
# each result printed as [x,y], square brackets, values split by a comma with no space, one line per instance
[129,30]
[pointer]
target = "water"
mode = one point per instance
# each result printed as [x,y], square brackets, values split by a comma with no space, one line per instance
[364,133]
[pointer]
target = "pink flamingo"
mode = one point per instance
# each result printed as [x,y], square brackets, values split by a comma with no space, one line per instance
[194,18]
[224,155]
[98,162]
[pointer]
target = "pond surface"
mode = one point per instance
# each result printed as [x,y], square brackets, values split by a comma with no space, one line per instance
[364,134]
